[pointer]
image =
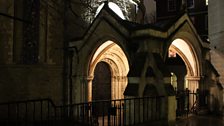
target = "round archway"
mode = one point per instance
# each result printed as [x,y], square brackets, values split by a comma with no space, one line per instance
[110,57]
[183,50]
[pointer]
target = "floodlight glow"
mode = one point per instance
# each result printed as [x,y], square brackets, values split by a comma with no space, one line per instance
[113,7]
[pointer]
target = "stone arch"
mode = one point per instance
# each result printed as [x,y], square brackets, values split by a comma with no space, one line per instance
[196,46]
[184,58]
[114,56]
[91,47]
[87,48]
[187,51]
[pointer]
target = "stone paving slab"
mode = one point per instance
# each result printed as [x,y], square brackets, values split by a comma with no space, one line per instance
[201,121]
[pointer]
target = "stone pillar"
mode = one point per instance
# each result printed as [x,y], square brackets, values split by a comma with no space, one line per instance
[84,89]
[89,88]
[118,87]
[193,85]
[122,85]
[114,87]
[171,112]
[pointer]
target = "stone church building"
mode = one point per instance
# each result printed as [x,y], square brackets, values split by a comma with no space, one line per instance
[77,52]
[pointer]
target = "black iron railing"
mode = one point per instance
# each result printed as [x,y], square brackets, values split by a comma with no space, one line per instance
[120,112]
[190,102]
[27,112]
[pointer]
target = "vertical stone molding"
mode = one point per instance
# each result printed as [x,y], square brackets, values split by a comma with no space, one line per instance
[89,88]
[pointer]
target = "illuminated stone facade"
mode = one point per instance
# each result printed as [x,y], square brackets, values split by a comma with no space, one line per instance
[64,50]
[216,37]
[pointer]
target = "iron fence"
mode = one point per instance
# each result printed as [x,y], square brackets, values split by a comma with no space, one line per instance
[121,112]
[190,102]
[27,112]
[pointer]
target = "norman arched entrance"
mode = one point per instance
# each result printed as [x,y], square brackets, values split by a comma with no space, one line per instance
[111,57]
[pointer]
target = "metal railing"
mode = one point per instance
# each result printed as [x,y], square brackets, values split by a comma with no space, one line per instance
[121,112]
[190,102]
[27,112]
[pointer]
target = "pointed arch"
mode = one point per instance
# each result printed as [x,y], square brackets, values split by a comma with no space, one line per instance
[110,53]
[188,54]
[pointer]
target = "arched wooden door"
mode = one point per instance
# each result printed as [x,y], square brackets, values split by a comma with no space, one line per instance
[101,88]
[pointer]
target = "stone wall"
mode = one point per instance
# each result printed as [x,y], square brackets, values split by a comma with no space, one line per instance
[6,31]
[20,82]
[216,26]
[51,32]
[43,79]
[216,37]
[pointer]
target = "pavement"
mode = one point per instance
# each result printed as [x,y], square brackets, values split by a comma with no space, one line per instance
[195,120]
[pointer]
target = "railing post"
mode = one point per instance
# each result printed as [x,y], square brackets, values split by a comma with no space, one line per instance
[188,102]
[120,113]
[55,114]
[48,112]
[108,114]
[8,113]
[115,112]
[17,112]
[26,117]
[147,109]
[134,110]
[34,107]
[124,112]
[41,110]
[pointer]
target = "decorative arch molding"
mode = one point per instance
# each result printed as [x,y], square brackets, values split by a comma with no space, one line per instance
[190,71]
[188,54]
[113,55]
[190,37]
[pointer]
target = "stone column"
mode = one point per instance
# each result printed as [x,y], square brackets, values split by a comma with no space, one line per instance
[193,85]
[113,83]
[119,81]
[116,84]
[123,85]
[89,88]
